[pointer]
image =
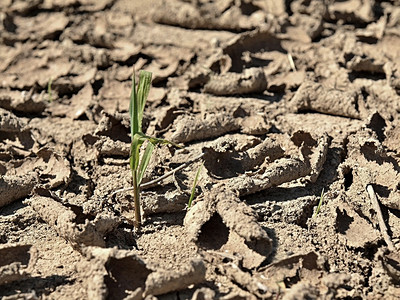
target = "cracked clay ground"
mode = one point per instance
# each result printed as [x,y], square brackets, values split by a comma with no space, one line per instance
[289,104]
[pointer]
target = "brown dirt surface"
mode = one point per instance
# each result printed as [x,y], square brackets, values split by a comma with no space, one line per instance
[291,109]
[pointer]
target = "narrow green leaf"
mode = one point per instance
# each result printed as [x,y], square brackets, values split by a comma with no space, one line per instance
[156,141]
[196,178]
[321,199]
[133,109]
[49,91]
[132,157]
[145,161]
[142,93]
[137,142]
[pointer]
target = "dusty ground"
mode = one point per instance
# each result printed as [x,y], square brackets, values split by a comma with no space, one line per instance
[287,100]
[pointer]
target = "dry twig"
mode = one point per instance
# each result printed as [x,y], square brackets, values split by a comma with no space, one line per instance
[381,222]
[152,183]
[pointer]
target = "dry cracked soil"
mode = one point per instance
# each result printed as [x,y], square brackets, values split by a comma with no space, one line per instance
[290,108]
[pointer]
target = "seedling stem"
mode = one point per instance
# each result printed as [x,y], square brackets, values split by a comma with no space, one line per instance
[136,196]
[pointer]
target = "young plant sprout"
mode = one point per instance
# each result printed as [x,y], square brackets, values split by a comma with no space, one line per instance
[321,199]
[139,164]
[193,192]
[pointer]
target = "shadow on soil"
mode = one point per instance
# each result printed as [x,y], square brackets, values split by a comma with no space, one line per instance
[42,286]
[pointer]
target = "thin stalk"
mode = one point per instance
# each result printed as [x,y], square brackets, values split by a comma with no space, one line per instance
[152,183]
[136,197]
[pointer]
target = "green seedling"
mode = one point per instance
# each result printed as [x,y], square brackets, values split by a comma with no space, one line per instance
[321,199]
[139,163]
[196,178]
